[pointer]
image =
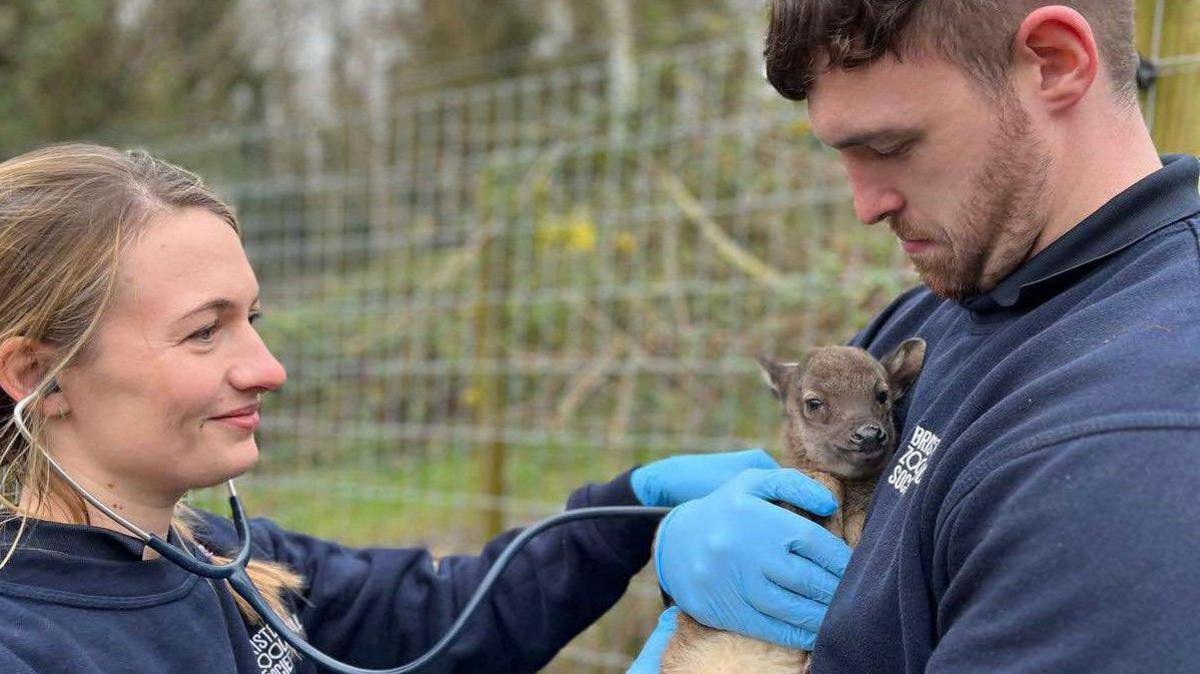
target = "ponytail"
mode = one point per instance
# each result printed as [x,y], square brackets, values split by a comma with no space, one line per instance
[275,582]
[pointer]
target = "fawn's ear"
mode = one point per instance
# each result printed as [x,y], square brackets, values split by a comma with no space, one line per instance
[904,364]
[777,375]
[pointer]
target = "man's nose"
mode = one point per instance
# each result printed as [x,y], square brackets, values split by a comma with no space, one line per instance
[872,205]
[873,202]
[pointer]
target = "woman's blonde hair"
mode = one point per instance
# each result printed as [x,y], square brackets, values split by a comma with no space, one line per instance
[67,215]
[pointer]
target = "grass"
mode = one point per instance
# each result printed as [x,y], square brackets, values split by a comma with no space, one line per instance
[419,500]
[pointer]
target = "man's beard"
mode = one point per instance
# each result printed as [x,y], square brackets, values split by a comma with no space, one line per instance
[1000,218]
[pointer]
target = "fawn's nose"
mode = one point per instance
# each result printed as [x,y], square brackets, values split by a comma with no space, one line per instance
[868,437]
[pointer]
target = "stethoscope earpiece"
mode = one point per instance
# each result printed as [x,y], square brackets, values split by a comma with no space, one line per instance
[1147,73]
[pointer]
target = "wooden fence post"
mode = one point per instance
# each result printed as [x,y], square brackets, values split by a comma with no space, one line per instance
[491,329]
[1174,42]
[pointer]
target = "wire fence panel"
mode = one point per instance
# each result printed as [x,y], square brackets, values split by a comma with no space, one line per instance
[495,294]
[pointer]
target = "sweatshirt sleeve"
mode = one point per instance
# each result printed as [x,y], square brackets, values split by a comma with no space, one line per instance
[379,608]
[11,664]
[1081,556]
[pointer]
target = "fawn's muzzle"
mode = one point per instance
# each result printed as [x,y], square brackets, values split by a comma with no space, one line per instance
[868,437]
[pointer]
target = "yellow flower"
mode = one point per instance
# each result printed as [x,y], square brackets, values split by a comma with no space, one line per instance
[581,235]
[470,396]
[575,233]
[625,243]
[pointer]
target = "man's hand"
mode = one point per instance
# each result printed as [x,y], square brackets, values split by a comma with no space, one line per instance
[649,661]
[734,561]
[679,479]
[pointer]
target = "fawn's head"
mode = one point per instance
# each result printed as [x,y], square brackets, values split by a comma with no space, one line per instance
[838,405]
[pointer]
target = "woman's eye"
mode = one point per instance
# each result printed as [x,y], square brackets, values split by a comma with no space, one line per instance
[204,334]
[813,404]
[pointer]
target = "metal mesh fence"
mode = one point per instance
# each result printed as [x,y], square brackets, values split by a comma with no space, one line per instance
[492,295]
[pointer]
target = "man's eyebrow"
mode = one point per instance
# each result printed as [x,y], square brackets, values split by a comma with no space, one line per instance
[219,304]
[871,137]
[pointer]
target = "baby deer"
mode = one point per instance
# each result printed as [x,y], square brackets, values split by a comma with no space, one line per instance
[838,429]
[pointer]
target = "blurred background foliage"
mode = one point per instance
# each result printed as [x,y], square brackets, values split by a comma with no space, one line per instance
[139,69]
[143,69]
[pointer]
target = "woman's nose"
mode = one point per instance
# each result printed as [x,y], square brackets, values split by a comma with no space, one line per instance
[258,368]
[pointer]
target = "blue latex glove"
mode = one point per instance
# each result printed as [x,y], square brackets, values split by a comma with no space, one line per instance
[680,479]
[734,561]
[649,661]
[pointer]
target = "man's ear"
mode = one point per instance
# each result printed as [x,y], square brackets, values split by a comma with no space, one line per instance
[24,364]
[777,375]
[1056,46]
[904,364]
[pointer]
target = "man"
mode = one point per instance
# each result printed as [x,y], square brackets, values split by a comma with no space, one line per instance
[1039,514]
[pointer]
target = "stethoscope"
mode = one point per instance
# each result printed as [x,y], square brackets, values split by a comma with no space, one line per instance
[234,572]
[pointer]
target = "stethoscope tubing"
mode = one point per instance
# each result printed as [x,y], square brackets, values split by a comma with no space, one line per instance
[234,571]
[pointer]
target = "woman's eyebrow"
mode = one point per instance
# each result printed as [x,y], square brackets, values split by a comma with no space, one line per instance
[219,304]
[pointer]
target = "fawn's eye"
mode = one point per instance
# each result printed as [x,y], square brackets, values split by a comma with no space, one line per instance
[881,397]
[813,404]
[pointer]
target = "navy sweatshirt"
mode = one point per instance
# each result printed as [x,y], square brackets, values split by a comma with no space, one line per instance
[1042,512]
[79,599]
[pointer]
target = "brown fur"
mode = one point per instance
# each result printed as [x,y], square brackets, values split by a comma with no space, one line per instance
[847,382]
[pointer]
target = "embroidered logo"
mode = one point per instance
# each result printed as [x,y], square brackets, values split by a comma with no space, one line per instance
[272,653]
[912,464]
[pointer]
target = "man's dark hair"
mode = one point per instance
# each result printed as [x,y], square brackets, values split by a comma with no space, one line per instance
[976,35]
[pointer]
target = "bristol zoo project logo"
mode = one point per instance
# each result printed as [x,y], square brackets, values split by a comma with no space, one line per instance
[912,464]
[272,652]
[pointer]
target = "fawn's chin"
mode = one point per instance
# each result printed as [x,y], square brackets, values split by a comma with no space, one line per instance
[856,464]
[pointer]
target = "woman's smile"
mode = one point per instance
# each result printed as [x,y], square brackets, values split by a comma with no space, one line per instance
[245,418]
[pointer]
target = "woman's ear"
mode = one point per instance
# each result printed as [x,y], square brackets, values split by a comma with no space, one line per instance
[24,363]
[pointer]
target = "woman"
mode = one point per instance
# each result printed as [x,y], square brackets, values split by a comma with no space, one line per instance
[126,318]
